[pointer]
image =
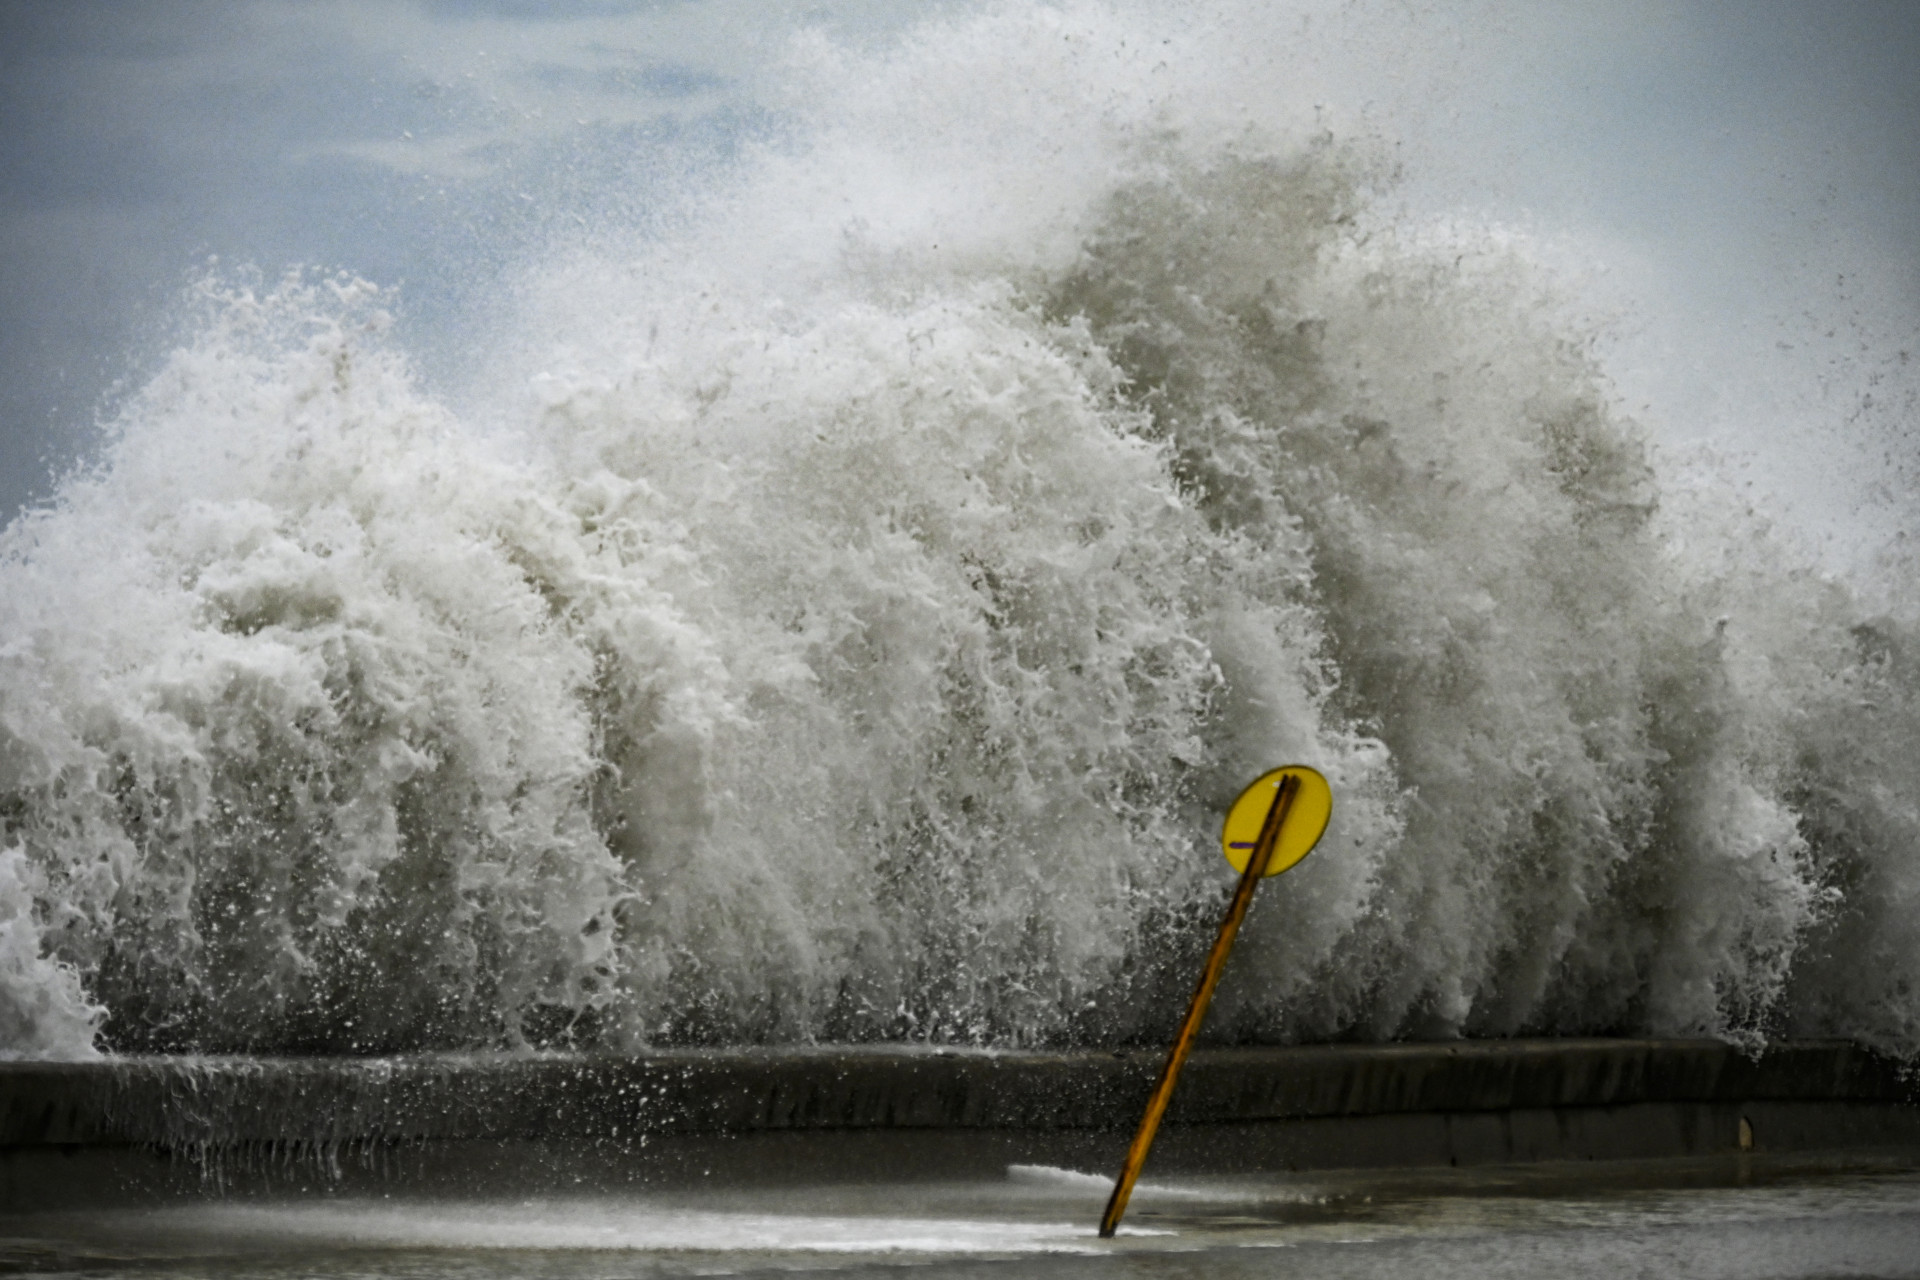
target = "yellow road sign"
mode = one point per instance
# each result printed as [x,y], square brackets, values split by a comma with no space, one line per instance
[1306,819]
[1275,823]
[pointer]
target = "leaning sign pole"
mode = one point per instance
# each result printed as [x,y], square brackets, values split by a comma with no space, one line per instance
[1295,792]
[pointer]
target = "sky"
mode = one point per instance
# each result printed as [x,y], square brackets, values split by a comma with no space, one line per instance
[1739,182]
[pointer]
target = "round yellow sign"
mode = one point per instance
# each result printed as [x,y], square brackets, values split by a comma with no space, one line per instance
[1305,823]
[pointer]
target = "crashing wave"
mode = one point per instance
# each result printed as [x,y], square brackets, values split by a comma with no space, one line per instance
[861,643]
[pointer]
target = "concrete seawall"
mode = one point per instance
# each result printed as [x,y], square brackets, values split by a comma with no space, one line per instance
[1473,1102]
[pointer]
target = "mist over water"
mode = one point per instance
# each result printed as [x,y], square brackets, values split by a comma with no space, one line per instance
[843,610]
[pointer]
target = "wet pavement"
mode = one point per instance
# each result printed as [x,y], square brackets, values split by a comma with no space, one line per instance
[1738,1217]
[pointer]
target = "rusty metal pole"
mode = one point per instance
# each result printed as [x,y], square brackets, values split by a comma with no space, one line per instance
[1202,996]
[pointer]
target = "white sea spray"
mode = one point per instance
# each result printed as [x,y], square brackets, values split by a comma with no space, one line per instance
[44,1012]
[857,606]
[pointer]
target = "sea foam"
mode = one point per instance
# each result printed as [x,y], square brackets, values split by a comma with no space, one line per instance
[846,614]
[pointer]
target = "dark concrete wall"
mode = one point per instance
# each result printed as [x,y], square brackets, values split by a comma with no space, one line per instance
[190,1101]
[1473,1102]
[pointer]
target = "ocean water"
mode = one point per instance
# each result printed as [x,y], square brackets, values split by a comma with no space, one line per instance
[843,608]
